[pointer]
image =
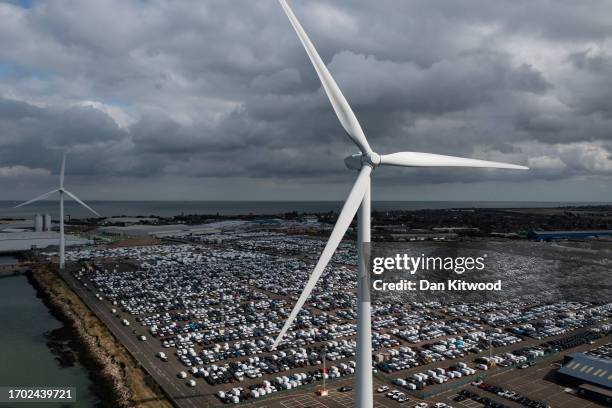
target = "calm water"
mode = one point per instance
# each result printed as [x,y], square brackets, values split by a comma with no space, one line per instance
[170,208]
[7,260]
[25,359]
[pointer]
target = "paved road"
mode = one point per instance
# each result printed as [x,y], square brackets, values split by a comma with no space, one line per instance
[164,373]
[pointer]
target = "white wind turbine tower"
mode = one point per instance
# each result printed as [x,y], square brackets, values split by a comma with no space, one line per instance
[61,190]
[359,198]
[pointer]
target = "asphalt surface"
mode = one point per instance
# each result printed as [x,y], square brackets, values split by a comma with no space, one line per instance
[538,382]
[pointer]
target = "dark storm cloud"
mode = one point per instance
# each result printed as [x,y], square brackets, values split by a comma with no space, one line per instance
[218,89]
[35,137]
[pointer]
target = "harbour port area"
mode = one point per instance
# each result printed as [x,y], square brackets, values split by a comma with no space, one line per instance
[195,308]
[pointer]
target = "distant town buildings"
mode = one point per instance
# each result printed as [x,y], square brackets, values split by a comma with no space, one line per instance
[553,235]
[169,230]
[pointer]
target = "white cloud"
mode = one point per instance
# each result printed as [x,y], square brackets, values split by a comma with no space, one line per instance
[121,117]
[545,163]
[19,172]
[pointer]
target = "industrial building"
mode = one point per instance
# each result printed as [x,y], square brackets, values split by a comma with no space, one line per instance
[16,226]
[553,235]
[592,375]
[125,221]
[40,223]
[24,235]
[170,230]
[25,241]
[440,236]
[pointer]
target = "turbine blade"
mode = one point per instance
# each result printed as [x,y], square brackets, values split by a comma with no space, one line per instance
[416,159]
[75,198]
[341,107]
[342,224]
[63,168]
[40,197]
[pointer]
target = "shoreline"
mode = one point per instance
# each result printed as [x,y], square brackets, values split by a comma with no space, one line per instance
[117,380]
[231,209]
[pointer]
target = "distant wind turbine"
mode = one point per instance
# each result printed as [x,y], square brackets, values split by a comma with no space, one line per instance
[61,190]
[359,198]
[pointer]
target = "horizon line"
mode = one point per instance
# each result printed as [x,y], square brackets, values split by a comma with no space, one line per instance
[327,201]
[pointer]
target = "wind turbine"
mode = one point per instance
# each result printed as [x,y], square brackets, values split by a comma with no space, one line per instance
[359,199]
[61,190]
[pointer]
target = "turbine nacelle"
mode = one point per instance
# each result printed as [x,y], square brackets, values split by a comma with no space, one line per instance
[357,161]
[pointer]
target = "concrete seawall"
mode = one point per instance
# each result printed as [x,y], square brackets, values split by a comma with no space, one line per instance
[12,270]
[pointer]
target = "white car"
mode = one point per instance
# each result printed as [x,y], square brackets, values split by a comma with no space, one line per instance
[393,394]
[382,388]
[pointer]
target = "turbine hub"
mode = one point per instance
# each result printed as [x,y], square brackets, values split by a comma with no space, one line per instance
[357,161]
[373,159]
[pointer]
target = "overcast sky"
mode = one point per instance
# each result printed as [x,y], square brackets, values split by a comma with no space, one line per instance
[216,99]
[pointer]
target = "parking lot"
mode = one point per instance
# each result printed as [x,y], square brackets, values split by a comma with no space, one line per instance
[538,382]
[212,308]
[333,400]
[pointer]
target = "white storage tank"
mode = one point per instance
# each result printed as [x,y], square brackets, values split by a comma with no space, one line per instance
[47,222]
[38,223]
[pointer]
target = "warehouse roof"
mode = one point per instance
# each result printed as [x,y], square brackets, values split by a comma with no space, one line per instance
[24,241]
[591,369]
[587,233]
[594,232]
[13,225]
[170,229]
[129,220]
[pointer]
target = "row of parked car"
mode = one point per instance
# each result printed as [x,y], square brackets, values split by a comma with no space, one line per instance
[486,402]
[439,375]
[239,394]
[604,351]
[511,395]
[257,366]
[539,321]
[576,339]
